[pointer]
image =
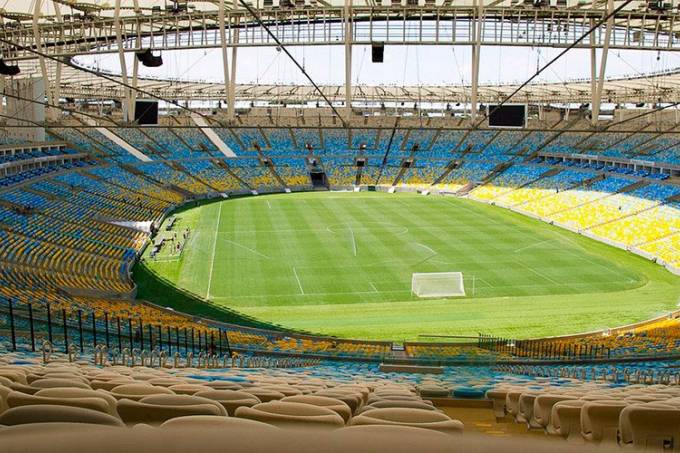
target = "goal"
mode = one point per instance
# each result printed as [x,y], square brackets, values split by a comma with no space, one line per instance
[438,284]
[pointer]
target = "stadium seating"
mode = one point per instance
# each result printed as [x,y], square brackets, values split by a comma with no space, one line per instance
[512,178]
[293,172]
[62,236]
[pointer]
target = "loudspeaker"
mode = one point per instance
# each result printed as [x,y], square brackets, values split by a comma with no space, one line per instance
[377,52]
[149,60]
[146,112]
[8,70]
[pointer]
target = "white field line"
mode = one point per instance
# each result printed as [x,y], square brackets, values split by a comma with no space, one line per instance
[269,204]
[302,291]
[462,206]
[374,288]
[354,242]
[426,247]
[214,247]
[535,244]
[595,263]
[540,274]
[480,279]
[433,254]
[249,249]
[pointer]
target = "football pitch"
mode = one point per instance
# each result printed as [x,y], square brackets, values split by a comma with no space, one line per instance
[341,264]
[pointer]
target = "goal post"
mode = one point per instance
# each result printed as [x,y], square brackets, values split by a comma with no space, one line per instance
[438,284]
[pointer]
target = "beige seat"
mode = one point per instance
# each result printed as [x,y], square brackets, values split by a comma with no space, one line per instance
[600,420]
[14,376]
[392,438]
[352,399]
[337,406]
[417,418]
[54,375]
[383,404]
[637,399]
[652,425]
[286,390]
[565,419]
[309,389]
[286,413]
[230,399]
[4,391]
[393,389]
[18,399]
[205,421]
[110,384]
[512,401]
[392,396]
[543,405]
[525,410]
[223,385]
[136,392]
[62,392]
[187,389]
[156,409]
[265,395]
[56,414]
[497,397]
[355,388]
[48,383]
[166,382]
[433,391]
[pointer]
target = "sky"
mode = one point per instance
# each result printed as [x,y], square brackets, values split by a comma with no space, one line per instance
[404,65]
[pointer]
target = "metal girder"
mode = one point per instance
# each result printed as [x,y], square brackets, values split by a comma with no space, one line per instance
[477,24]
[223,46]
[348,58]
[597,95]
[126,96]
[51,114]
[231,97]
[320,25]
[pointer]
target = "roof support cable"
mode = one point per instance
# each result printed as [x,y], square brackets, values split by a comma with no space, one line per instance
[300,67]
[557,57]
[111,79]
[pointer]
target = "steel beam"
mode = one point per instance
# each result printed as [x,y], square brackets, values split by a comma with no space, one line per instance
[348,58]
[225,57]
[323,25]
[126,96]
[51,114]
[231,97]
[597,98]
[476,50]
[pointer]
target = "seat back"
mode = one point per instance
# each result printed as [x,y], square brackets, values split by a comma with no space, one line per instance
[56,414]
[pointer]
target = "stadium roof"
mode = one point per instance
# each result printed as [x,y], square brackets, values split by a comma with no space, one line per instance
[68,28]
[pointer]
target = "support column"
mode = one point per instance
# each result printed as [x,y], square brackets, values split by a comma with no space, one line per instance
[51,112]
[593,65]
[597,98]
[476,50]
[56,93]
[348,59]
[223,42]
[133,93]
[231,98]
[121,57]
[2,95]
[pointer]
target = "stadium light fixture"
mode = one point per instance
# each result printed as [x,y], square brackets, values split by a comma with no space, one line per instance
[7,70]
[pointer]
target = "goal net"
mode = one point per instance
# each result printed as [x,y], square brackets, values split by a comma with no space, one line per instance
[438,284]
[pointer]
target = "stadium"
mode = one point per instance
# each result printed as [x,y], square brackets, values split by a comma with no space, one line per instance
[333,225]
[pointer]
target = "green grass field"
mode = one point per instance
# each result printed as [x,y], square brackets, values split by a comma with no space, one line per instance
[341,264]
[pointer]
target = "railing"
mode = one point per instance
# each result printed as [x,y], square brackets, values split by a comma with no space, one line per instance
[608,373]
[27,325]
[544,349]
